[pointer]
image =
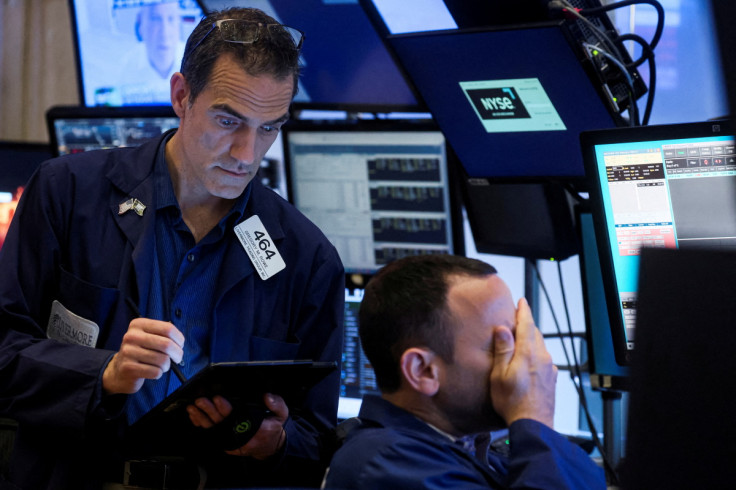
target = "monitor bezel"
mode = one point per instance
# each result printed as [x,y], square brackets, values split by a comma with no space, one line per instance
[588,141]
[382,125]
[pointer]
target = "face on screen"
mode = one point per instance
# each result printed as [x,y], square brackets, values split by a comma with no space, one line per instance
[159,29]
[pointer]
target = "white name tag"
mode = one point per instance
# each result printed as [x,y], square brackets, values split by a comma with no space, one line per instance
[69,328]
[260,248]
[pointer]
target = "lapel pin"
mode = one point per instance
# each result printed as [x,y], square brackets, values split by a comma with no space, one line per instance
[133,204]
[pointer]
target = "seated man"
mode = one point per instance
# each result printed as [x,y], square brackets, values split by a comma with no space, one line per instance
[453,358]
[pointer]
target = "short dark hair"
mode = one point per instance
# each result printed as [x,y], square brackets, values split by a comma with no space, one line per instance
[405,305]
[270,54]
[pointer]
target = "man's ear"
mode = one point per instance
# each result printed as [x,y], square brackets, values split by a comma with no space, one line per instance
[179,94]
[420,370]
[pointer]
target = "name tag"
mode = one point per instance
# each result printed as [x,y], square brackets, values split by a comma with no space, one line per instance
[69,328]
[261,250]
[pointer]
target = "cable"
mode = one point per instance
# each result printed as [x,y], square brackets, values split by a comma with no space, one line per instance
[647,48]
[625,3]
[647,55]
[610,51]
[568,8]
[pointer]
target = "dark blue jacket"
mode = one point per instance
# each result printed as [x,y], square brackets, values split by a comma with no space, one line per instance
[69,243]
[394,449]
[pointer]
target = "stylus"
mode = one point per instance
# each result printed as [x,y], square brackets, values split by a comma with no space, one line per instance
[177,371]
[174,366]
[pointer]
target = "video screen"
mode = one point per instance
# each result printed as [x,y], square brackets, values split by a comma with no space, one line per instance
[128,50]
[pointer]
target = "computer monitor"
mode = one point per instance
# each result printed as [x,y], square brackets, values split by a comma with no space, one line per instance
[357,377]
[18,161]
[378,190]
[665,186]
[74,129]
[529,220]
[346,66]
[681,389]
[392,17]
[605,373]
[511,100]
[126,51]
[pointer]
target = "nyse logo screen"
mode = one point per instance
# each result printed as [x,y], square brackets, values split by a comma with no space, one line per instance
[498,103]
[512,105]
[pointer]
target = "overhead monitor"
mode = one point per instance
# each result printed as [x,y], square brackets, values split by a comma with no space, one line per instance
[18,161]
[512,101]
[392,17]
[127,50]
[378,190]
[74,129]
[346,66]
[667,186]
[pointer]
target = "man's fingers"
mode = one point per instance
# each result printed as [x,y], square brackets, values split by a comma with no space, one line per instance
[503,348]
[146,352]
[277,406]
[159,329]
[206,413]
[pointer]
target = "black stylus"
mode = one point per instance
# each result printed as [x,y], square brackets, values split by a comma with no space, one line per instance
[174,366]
[177,370]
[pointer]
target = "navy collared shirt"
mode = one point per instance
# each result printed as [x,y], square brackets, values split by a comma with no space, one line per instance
[182,291]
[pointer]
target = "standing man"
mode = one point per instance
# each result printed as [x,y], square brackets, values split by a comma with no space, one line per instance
[453,358]
[122,261]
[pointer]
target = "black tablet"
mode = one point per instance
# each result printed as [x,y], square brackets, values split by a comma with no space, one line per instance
[243,384]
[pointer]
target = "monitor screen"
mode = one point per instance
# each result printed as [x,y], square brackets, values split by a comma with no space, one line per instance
[18,161]
[378,191]
[128,50]
[76,129]
[357,377]
[345,63]
[670,186]
[512,101]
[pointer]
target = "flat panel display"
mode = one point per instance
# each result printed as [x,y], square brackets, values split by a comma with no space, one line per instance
[511,101]
[666,186]
[358,377]
[605,372]
[378,191]
[127,50]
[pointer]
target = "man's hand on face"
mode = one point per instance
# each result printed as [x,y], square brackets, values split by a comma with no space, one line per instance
[146,352]
[270,436]
[523,377]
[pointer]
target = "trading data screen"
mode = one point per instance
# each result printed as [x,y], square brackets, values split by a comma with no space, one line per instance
[673,193]
[377,195]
